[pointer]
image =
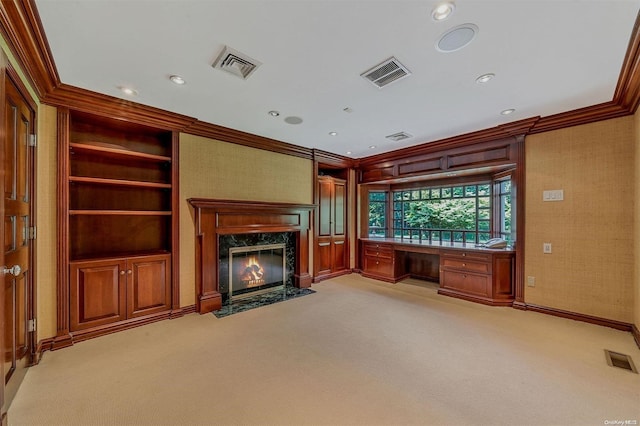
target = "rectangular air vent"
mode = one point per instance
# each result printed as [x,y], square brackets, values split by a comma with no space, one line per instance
[387,72]
[236,63]
[399,136]
[619,360]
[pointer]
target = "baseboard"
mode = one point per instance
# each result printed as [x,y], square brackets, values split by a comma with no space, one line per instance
[186,310]
[618,325]
[320,278]
[636,334]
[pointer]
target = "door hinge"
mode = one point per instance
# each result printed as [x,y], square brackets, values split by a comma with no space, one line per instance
[31,325]
[33,140]
[32,232]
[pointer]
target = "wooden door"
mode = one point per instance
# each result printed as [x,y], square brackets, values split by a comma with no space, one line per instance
[323,260]
[148,285]
[331,246]
[17,229]
[97,293]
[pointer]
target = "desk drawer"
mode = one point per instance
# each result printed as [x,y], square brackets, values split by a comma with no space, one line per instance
[378,250]
[378,266]
[468,255]
[467,283]
[465,265]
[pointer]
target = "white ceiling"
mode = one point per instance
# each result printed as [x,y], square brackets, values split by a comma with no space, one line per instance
[548,57]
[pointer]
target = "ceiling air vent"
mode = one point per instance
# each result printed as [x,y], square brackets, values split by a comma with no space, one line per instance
[236,63]
[399,136]
[387,72]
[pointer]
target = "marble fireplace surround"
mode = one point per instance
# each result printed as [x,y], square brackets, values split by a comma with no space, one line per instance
[226,217]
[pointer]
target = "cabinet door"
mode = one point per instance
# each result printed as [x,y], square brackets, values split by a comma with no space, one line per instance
[148,285]
[339,225]
[97,293]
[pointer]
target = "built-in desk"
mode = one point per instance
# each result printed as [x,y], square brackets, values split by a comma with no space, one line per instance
[463,270]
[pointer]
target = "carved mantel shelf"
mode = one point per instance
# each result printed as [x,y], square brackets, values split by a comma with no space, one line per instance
[224,217]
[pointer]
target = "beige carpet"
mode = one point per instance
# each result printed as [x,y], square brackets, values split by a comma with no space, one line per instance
[358,352]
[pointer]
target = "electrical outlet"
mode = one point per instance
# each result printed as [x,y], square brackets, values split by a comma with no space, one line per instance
[531,281]
[546,248]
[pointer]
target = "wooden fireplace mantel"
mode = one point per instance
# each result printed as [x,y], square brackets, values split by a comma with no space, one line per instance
[224,217]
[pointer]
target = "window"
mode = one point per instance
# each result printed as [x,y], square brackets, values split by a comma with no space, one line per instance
[378,213]
[504,195]
[460,213]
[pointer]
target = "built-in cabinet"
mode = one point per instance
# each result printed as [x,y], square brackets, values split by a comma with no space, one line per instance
[379,262]
[485,277]
[119,194]
[332,247]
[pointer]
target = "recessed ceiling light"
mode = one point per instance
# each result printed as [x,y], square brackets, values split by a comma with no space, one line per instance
[442,11]
[485,77]
[349,152]
[273,113]
[508,111]
[333,133]
[177,80]
[372,147]
[347,109]
[128,91]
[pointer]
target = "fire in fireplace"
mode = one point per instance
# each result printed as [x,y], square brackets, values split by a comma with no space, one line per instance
[256,269]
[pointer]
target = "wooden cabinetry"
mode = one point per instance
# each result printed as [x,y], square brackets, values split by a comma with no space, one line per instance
[379,261]
[119,220]
[332,248]
[111,290]
[481,276]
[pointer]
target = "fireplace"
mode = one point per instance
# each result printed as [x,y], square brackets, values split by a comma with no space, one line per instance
[252,264]
[222,226]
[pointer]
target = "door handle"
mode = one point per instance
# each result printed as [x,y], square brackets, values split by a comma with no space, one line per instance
[14,270]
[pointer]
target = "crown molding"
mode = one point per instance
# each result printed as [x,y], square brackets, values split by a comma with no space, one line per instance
[21,27]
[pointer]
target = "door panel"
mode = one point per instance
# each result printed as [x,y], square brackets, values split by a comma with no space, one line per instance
[339,218]
[97,293]
[331,253]
[18,289]
[148,285]
[324,207]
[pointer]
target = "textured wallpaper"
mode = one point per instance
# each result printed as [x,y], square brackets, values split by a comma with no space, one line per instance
[591,267]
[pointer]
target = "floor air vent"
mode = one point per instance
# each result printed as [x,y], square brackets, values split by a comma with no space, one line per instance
[387,72]
[236,63]
[619,360]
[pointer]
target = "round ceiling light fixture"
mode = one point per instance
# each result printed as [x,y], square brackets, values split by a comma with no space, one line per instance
[273,113]
[176,79]
[485,78]
[507,111]
[372,147]
[293,120]
[442,11]
[457,38]
[333,133]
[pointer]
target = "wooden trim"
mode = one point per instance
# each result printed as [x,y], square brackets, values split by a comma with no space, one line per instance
[175,222]
[186,310]
[579,116]
[636,334]
[618,325]
[518,189]
[21,27]
[321,278]
[63,337]
[330,160]
[627,93]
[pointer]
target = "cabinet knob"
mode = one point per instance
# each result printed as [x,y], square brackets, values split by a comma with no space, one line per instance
[121,272]
[464,254]
[464,264]
[129,272]
[377,263]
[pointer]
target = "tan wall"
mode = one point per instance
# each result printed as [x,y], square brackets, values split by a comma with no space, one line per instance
[46,243]
[213,169]
[636,234]
[591,269]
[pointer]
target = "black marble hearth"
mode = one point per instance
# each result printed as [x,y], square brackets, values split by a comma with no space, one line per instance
[253,302]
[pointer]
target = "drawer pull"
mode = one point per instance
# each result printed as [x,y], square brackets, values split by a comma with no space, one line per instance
[323,244]
[338,242]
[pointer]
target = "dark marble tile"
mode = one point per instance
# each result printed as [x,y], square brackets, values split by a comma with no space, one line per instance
[262,300]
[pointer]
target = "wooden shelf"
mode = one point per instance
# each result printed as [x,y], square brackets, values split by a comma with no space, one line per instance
[132,183]
[106,150]
[120,212]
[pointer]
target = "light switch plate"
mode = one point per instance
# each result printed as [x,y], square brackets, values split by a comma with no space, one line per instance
[546,248]
[553,195]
